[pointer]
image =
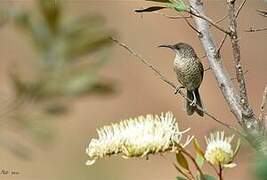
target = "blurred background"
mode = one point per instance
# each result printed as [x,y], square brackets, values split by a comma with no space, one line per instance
[61,78]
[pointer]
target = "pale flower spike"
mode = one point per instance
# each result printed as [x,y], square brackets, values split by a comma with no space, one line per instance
[219,150]
[137,137]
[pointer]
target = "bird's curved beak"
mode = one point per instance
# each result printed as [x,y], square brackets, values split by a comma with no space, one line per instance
[167,46]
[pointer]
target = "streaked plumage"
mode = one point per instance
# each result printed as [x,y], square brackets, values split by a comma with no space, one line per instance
[189,71]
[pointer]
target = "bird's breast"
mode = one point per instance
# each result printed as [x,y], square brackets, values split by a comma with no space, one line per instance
[188,71]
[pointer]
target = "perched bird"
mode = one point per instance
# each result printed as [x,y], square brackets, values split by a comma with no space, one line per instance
[189,71]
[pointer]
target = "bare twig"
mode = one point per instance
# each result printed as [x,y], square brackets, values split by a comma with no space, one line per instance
[240,8]
[250,124]
[202,16]
[256,30]
[204,56]
[172,17]
[221,44]
[192,27]
[193,160]
[215,62]
[263,105]
[156,71]
[185,174]
[180,17]
[221,19]
[207,69]
[262,13]
[163,78]
[243,97]
[182,172]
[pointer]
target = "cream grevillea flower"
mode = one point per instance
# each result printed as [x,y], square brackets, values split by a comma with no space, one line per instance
[137,137]
[219,149]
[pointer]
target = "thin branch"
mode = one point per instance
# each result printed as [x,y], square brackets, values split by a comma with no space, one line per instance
[185,174]
[193,160]
[226,86]
[215,62]
[180,17]
[163,78]
[221,19]
[213,167]
[262,13]
[263,105]
[197,14]
[207,69]
[243,97]
[192,27]
[240,8]
[220,172]
[221,44]
[156,71]
[172,17]
[182,172]
[256,30]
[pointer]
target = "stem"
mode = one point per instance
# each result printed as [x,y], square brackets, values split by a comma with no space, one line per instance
[193,160]
[191,177]
[220,172]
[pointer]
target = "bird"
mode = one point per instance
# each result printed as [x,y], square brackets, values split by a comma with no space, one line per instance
[189,72]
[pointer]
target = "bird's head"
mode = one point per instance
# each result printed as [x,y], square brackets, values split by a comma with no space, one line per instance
[181,49]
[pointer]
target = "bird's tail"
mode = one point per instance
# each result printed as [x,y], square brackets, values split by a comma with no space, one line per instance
[193,108]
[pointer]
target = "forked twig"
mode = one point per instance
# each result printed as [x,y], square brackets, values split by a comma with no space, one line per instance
[163,78]
[194,13]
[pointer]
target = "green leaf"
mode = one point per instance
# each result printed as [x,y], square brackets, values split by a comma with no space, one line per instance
[260,166]
[178,6]
[198,148]
[180,178]
[161,1]
[209,177]
[237,148]
[206,177]
[182,160]
[150,9]
[51,11]
[199,160]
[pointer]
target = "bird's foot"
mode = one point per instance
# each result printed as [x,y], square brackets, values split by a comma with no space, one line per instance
[194,102]
[178,89]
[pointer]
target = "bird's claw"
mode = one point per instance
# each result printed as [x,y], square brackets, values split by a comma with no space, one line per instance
[193,103]
[178,89]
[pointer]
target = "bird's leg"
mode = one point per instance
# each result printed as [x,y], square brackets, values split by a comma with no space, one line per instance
[194,102]
[178,89]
